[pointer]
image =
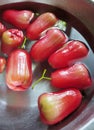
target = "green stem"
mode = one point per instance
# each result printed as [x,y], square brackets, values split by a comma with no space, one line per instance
[41,78]
[24,42]
[36,82]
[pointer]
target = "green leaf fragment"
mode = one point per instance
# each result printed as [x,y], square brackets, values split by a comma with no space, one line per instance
[61,25]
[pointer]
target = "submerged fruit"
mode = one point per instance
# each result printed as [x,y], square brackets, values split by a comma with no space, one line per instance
[19,18]
[72,51]
[18,70]
[42,22]
[45,46]
[75,76]
[55,106]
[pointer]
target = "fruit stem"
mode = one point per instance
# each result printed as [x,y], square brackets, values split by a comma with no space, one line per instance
[24,42]
[41,78]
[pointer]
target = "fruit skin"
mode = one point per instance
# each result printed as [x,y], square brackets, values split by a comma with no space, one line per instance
[64,56]
[19,18]
[45,46]
[2,64]
[42,22]
[56,106]
[74,76]
[2,28]
[19,70]
[11,39]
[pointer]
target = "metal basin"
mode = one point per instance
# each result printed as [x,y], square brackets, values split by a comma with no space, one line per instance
[18,110]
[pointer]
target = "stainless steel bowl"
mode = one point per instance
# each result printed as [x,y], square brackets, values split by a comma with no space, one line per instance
[18,110]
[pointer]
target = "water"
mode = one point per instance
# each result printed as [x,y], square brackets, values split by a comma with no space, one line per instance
[20,108]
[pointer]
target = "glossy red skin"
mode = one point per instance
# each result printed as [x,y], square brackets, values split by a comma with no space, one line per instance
[19,18]
[2,28]
[64,56]
[44,47]
[75,76]
[11,39]
[42,22]
[2,64]
[60,104]
[19,70]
